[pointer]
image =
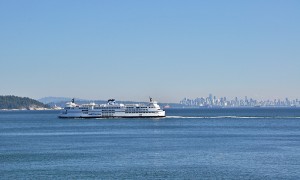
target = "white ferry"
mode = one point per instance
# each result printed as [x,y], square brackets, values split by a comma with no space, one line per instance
[112,109]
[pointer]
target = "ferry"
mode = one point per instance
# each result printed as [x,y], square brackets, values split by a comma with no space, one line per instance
[112,109]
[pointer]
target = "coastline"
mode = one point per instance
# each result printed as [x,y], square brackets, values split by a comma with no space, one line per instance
[36,109]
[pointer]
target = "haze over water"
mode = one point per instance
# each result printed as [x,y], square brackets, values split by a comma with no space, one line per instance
[252,143]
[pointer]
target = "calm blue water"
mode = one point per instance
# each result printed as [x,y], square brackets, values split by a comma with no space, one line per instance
[189,144]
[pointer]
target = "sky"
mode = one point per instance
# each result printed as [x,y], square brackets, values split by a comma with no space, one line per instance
[166,49]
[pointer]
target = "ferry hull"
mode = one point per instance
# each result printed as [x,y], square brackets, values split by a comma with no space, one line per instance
[103,117]
[91,117]
[117,115]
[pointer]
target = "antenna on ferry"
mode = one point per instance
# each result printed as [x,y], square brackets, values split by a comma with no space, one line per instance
[150,99]
[73,100]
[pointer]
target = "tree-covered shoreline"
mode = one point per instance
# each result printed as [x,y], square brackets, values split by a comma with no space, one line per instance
[15,102]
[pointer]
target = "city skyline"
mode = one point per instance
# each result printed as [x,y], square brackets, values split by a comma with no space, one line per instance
[214,101]
[130,50]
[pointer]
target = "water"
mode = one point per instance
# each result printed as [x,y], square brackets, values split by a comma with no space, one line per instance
[253,143]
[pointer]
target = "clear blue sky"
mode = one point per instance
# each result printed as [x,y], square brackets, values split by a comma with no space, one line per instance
[130,50]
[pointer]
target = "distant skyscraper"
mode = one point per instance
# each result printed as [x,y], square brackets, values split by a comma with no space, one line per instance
[213,101]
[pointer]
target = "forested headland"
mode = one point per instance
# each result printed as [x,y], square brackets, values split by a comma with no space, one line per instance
[15,102]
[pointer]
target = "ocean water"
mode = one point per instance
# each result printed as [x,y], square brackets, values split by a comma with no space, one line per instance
[255,143]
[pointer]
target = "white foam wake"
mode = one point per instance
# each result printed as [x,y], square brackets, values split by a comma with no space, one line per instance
[232,117]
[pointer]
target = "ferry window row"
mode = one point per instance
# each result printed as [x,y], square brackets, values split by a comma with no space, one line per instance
[137,111]
[107,107]
[108,110]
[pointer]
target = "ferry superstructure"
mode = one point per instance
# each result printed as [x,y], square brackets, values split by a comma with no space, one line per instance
[112,110]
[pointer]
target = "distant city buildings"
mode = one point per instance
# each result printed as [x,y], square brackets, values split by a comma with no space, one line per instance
[213,101]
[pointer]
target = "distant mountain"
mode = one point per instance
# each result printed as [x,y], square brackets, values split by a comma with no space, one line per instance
[48,100]
[15,102]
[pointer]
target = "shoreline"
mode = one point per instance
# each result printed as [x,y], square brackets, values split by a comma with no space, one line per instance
[43,109]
